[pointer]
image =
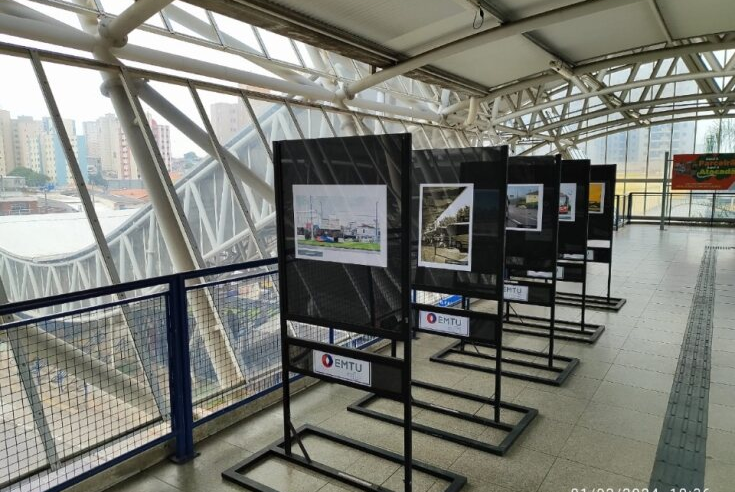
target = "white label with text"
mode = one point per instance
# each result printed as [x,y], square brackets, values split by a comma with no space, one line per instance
[340,367]
[444,323]
[516,292]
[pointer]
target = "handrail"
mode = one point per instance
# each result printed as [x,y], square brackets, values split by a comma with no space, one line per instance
[691,207]
[33,304]
[89,347]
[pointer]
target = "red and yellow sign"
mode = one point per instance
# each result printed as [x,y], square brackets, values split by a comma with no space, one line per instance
[703,172]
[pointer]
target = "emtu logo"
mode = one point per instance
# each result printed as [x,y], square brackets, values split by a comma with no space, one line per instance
[327,360]
[431,318]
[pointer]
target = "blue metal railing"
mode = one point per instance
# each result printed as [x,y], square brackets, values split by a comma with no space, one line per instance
[85,388]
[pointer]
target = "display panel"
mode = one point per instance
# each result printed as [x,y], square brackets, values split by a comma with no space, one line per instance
[567,202]
[461,255]
[342,231]
[534,249]
[445,226]
[341,223]
[575,177]
[703,172]
[525,207]
[601,223]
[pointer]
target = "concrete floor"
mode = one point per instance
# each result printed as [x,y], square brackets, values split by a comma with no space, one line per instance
[600,429]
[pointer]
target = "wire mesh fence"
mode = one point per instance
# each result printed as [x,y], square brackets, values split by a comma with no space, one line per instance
[81,388]
[105,378]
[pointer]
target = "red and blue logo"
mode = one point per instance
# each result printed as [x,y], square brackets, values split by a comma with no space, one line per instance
[431,318]
[327,360]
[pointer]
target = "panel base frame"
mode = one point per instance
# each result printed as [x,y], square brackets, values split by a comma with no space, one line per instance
[600,303]
[236,473]
[590,334]
[514,430]
[562,374]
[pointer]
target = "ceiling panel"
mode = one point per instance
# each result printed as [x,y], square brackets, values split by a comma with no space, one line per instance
[379,32]
[610,31]
[518,9]
[377,20]
[687,18]
[500,62]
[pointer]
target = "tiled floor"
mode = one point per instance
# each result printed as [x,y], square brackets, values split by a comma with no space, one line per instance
[600,429]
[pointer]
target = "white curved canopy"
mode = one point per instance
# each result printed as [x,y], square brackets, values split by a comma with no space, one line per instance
[545,71]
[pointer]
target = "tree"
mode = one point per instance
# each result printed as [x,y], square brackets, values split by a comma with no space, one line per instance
[32,178]
[720,138]
[98,180]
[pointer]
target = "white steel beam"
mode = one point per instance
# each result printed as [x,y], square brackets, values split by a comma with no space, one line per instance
[202,28]
[639,57]
[117,29]
[484,38]
[71,38]
[612,89]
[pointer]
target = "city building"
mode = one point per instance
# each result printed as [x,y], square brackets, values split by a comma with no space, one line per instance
[228,119]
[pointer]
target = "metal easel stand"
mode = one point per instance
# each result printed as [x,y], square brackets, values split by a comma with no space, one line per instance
[572,331]
[602,303]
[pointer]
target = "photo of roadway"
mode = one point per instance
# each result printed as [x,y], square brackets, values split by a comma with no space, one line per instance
[522,218]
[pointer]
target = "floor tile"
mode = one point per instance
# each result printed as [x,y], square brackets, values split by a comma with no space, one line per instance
[651,362]
[721,446]
[622,422]
[553,406]
[521,469]
[612,453]
[623,395]
[566,475]
[640,378]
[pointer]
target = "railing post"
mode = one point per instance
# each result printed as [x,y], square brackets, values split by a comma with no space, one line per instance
[630,207]
[182,415]
[712,211]
[691,196]
[663,191]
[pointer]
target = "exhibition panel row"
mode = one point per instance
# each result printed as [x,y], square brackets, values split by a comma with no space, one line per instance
[378,240]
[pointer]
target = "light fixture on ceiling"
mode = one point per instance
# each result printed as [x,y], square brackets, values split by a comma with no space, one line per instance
[561,68]
[592,82]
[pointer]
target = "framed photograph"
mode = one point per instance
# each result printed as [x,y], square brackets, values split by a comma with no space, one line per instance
[525,207]
[567,202]
[445,226]
[597,198]
[341,223]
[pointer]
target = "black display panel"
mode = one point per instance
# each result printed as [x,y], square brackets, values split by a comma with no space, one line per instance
[602,211]
[458,208]
[573,205]
[342,219]
[531,234]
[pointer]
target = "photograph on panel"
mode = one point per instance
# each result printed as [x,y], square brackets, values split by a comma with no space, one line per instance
[445,226]
[567,202]
[525,207]
[597,197]
[341,223]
